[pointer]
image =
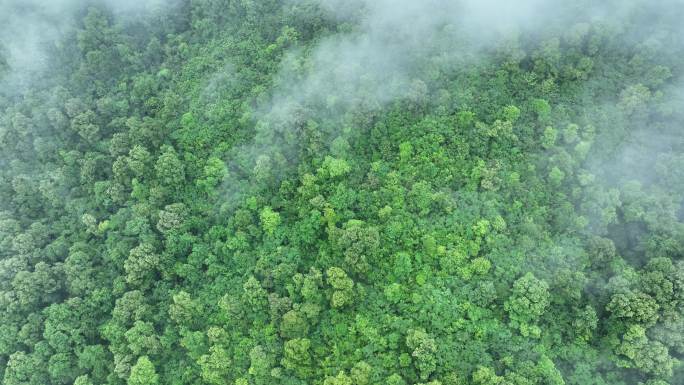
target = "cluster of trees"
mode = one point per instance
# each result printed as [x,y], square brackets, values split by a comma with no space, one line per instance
[516,220]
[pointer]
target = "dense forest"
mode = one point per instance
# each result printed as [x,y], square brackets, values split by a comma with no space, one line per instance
[341,192]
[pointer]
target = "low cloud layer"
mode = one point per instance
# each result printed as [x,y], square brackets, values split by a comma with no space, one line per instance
[379,56]
[29,29]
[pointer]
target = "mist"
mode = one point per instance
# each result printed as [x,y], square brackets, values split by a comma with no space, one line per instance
[429,191]
[385,48]
[30,30]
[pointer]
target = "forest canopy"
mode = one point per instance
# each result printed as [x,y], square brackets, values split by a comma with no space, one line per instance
[341,192]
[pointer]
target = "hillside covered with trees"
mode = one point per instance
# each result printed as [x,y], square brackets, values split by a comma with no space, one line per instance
[329,192]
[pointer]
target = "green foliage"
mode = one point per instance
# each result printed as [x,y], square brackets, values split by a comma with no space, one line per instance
[340,379]
[529,299]
[424,349]
[333,167]
[270,220]
[143,373]
[244,192]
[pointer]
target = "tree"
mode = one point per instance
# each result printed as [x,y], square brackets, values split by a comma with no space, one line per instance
[37,286]
[172,218]
[542,108]
[138,160]
[169,169]
[83,380]
[585,323]
[62,368]
[528,301]
[649,356]
[293,325]
[215,171]
[634,306]
[78,268]
[261,363]
[129,307]
[95,360]
[142,338]
[84,125]
[424,349]
[254,295]
[21,369]
[143,373]
[633,99]
[141,264]
[270,220]
[395,379]
[342,285]
[664,282]
[333,168]
[183,309]
[486,376]
[361,373]
[340,379]
[358,243]
[530,297]
[297,356]
[215,366]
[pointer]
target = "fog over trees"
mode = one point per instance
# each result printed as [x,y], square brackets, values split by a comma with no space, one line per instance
[341,192]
